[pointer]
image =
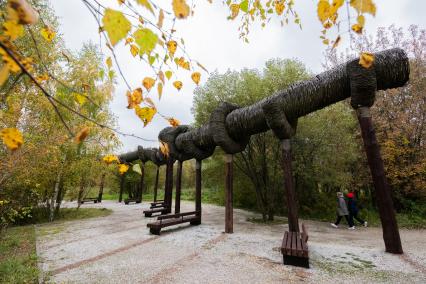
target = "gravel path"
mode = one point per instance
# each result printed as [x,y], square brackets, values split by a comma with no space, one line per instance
[119,249]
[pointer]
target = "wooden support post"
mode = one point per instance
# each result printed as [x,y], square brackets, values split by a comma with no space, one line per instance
[178,186]
[293,216]
[120,197]
[101,188]
[156,184]
[169,185]
[383,194]
[198,187]
[142,184]
[229,175]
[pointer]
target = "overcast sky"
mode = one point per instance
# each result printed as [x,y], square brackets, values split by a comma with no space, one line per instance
[213,40]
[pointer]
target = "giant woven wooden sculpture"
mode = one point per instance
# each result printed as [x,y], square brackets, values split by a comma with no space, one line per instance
[230,127]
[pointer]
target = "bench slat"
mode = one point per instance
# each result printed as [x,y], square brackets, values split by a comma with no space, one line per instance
[294,244]
[284,243]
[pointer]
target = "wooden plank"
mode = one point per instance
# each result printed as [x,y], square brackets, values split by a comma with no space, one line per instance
[293,243]
[298,245]
[288,245]
[284,243]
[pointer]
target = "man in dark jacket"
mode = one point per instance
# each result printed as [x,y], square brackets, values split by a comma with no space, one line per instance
[353,210]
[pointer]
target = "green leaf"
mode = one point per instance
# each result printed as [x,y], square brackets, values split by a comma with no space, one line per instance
[116,25]
[151,59]
[111,74]
[244,6]
[137,169]
[146,39]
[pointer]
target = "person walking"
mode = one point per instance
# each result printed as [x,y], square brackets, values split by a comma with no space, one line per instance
[342,211]
[353,210]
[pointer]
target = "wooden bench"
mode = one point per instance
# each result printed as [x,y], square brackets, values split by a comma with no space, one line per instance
[157,202]
[295,248]
[128,200]
[174,219]
[94,200]
[161,210]
[158,205]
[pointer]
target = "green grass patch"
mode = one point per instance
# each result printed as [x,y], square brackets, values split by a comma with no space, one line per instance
[18,257]
[69,214]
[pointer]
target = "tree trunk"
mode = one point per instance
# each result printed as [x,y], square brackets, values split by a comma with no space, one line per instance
[56,190]
[80,192]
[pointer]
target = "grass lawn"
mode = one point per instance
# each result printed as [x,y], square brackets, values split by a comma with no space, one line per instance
[18,257]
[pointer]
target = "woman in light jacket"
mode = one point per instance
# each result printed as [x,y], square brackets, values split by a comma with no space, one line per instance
[342,211]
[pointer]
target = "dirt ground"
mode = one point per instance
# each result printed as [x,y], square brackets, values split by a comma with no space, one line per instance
[119,249]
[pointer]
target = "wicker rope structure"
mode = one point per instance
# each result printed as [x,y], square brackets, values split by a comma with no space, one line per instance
[230,126]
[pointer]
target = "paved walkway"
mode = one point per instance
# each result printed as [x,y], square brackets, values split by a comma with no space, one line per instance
[119,249]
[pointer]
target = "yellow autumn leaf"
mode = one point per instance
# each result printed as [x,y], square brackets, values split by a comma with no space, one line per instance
[148,82]
[366,59]
[235,9]
[168,74]
[182,63]
[134,98]
[12,138]
[160,90]
[279,6]
[149,102]
[122,168]
[164,148]
[82,134]
[109,159]
[364,6]
[47,33]
[196,77]
[80,99]
[109,62]
[335,5]
[146,4]
[180,8]
[128,40]
[323,10]
[4,74]
[173,121]
[160,19]
[161,76]
[13,29]
[177,85]
[134,50]
[21,12]
[171,47]
[116,25]
[9,62]
[42,78]
[358,27]
[145,114]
